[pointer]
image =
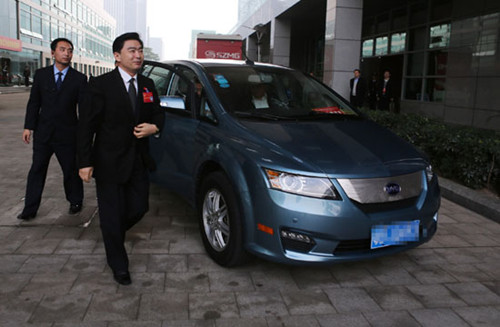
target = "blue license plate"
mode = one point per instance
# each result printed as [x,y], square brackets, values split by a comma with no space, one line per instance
[397,233]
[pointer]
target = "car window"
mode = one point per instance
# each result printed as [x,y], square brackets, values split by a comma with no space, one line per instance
[181,82]
[206,111]
[161,76]
[146,70]
[260,91]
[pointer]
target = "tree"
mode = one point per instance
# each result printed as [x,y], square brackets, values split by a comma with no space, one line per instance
[150,55]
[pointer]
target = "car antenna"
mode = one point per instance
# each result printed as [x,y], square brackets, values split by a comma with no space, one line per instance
[248,61]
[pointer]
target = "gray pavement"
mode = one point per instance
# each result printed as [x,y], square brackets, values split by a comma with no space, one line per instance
[53,270]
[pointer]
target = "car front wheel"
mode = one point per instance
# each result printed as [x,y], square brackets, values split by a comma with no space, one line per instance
[219,219]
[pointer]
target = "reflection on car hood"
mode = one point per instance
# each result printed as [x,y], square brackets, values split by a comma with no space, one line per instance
[346,148]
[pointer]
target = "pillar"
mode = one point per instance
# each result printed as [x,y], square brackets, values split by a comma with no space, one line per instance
[344,19]
[280,41]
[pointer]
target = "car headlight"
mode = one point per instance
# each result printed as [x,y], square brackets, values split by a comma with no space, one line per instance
[429,173]
[303,185]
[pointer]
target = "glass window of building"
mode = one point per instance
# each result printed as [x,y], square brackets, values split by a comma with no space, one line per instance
[417,39]
[439,36]
[413,89]
[369,26]
[381,44]
[25,17]
[415,65]
[46,29]
[383,23]
[367,48]
[441,9]
[53,30]
[418,13]
[398,42]
[435,90]
[488,39]
[437,63]
[399,19]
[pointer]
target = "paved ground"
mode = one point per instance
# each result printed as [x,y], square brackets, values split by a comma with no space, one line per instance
[53,270]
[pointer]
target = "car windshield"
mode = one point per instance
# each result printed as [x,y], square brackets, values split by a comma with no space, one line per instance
[272,93]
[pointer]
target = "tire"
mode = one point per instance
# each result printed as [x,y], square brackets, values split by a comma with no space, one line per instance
[220,223]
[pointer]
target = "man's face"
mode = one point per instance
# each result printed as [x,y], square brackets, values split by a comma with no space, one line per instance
[356,74]
[258,91]
[130,57]
[387,75]
[63,53]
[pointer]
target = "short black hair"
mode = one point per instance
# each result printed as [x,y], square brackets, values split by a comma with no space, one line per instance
[357,70]
[120,41]
[53,44]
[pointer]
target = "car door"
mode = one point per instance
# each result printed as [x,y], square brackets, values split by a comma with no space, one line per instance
[174,149]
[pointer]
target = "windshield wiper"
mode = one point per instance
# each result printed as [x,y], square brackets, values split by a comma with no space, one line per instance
[260,115]
[324,116]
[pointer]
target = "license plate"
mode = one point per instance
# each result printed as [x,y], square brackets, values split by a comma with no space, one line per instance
[398,233]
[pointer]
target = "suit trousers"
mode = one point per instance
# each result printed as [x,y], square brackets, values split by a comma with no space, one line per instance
[66,156]
[121,206]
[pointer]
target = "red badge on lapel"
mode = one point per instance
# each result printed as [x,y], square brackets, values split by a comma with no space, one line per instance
[147,96]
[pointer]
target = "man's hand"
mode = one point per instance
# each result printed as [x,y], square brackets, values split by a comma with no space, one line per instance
[86,173]
[27,136]
[145,129]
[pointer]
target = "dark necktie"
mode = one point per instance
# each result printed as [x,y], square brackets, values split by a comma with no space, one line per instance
[59,81]
[132,93]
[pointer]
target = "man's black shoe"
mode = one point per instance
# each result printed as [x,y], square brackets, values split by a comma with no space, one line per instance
[122,277]
[75,208]
[24,216]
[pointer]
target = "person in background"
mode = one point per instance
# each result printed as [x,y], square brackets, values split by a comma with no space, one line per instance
[358,89]
[51,118]
[27,74]
[259,96]
[5,73]
[372,92]
[122,111]
[385,94]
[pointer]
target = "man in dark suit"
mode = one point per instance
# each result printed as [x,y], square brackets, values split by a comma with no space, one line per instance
[358,89]
[113,146]
[385,93]
[51,116]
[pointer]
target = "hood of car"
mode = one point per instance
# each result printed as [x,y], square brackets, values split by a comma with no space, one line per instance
[342,148]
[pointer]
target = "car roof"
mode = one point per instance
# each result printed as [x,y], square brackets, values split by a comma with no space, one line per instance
[221,62]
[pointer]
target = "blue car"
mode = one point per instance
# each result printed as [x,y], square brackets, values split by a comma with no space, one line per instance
[280,166]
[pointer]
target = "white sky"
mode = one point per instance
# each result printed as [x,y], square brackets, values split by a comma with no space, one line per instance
[173,21]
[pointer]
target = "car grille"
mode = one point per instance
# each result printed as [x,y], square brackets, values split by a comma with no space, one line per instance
[386,206]
[351,246]
[372,190]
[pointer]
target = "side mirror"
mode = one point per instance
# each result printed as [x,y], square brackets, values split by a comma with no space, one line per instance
[173,102]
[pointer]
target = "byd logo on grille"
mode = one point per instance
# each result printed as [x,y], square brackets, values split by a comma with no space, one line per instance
[392,188]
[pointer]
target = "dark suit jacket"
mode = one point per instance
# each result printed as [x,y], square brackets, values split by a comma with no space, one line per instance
[108,116]
[389,90]
[53,114]
[360,88]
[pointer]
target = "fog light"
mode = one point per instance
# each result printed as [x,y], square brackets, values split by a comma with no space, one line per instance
[296,236]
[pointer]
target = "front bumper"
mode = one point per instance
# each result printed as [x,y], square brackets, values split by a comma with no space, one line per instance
[309,230]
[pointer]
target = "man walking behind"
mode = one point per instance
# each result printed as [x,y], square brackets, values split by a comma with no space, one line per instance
[51,118]
[113,146]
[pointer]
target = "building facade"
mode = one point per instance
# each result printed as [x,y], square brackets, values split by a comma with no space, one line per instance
[130,16]
[442,54]
[33,24]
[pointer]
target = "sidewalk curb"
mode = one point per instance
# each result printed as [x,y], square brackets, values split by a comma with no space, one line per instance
[482,204]
[12,89]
